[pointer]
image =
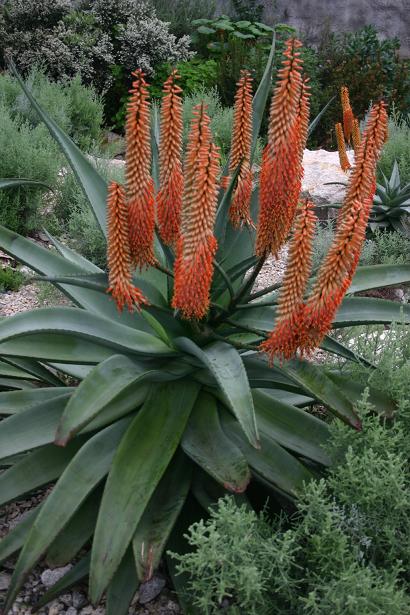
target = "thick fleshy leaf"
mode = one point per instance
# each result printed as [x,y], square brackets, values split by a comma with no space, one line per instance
[378,276]
[261,97]
[15,538]
[160,516]
[76,533]
[36,369]
[366,311]
[54,347]
[102,385]
[49,263]
[21,182]
[31,428]
[353,390]
[262,375]
[12,402]
[314,123]
[79,324]
[140,461]
[15,383]
[291,427]
[35,470]
[329,344]
[313,379]
[76,574]
[206,443]
[94,186]
[208,491]
[85,471]
[11,371]
[122,588]
[277,466]
[73,257]
[226,366]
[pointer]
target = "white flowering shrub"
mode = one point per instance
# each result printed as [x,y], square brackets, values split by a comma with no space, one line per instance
[87,38]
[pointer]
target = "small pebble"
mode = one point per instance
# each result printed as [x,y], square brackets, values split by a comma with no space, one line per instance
[50,577]
[151,589]
[5,580]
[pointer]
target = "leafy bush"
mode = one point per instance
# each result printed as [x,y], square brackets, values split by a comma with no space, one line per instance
[397,147]
[370,67]
[10,279]
[26,152]
[325,232]
[181,13]
[74,106]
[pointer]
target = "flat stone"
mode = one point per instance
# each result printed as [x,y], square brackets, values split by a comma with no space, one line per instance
[50,577]
[151,589]
[79,600]
[5,580]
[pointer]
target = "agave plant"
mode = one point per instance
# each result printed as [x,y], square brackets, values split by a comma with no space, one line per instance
[391,203]
[141,415]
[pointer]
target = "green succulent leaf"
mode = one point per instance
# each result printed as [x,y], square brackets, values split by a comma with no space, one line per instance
[80,325]
[15,538]
[76,533]
[206,443]
[314,380]
[291,427]
[160,515]
[35,470]
[135,473]
[278,467]
[379,276]
[13,402]
[226,366]
[85,471]
[123,586]
[21,182]
[261,97]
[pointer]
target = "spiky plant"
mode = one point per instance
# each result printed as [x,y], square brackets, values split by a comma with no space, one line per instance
[199,387]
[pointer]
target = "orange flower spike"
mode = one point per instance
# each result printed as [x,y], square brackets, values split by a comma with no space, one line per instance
[241,152]
[169,200]
[281,169]
[356,136]
[288,331]
[347,113]
[119,257]
[197,245]
[339,266]
[140,186]
[344,160]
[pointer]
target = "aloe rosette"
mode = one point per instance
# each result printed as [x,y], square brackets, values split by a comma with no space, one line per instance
[146,403]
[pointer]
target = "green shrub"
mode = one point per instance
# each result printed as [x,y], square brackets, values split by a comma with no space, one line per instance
[75,107]
[25,152]
[397,147]
[10,279]
[323,239]
[370,67]
[181,13]
[388,249]
[238,557]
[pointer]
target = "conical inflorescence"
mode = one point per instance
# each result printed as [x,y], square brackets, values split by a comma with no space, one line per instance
[197,245]
[169,199]
[338,268]
[348,116]
[240,156]
[140,185]
[341,147]
[119,256]
[282,171]
[288,334]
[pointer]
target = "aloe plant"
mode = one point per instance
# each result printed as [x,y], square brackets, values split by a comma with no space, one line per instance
[391,203]
[142,417]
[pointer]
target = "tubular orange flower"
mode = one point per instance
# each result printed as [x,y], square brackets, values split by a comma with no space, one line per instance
[288,332]
[169,200]
[356,136]
[347,113]
[197,245]
[339,266]
[119,257]
[281,170]
[241,152]
[344,160]
[140,186]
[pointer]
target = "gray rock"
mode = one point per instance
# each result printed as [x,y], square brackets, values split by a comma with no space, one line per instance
[151,589]
[50,577]
[79,600]
[71,611]
[66,599]
[5,580]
